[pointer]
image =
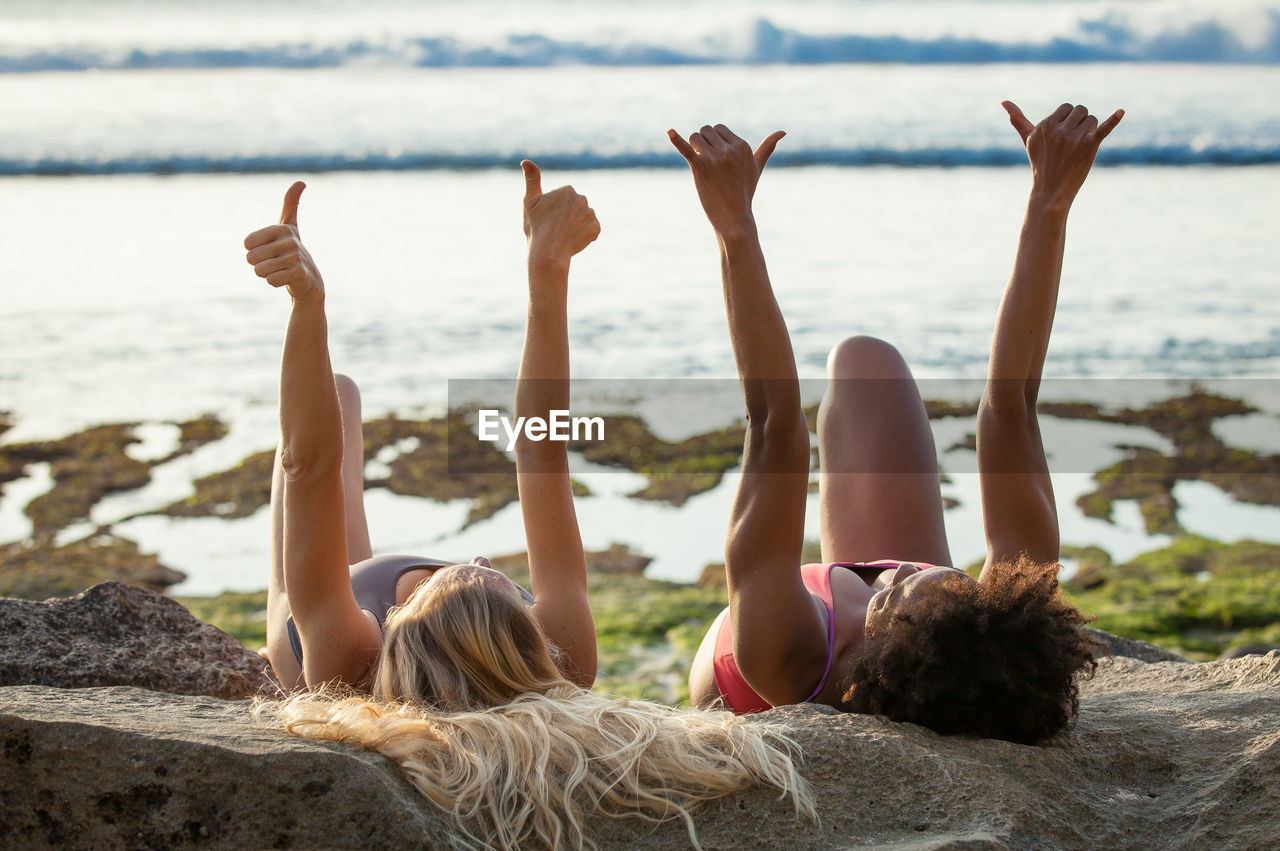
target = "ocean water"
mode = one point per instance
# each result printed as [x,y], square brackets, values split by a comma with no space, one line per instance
[142,140]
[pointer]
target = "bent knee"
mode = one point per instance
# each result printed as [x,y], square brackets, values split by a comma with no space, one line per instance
[348,390]
[862,356]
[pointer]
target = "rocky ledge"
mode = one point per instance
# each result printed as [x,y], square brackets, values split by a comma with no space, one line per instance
[116,634]
[1166,753]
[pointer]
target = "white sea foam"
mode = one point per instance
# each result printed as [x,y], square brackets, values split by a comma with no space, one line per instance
[71,36]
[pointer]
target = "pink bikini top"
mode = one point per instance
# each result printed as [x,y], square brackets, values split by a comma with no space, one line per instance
[738,694]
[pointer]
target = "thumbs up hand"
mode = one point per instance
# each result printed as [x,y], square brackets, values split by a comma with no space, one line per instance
[276,252]
[559,223]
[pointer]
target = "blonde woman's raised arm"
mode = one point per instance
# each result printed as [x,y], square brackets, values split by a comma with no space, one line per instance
[558,224]
[338,640]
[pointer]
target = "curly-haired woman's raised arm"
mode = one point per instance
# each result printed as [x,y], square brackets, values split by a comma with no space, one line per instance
[766,526]
[1017,496]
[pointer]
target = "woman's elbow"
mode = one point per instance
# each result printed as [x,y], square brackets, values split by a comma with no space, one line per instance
[778,427]
[1006,408]
[298,464]
[777,443]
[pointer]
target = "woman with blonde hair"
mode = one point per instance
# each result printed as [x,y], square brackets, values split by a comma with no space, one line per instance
[479,688]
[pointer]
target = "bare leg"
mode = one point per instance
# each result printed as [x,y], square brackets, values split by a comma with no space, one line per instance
[358,545]
[279,650]
[879,493]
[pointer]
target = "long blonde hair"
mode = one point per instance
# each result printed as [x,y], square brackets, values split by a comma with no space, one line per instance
[468,700]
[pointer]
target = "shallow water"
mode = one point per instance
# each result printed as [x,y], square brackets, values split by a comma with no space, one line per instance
[144,139]
[154,315]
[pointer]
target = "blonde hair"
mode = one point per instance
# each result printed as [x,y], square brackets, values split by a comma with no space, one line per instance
[464,640]
[469,702]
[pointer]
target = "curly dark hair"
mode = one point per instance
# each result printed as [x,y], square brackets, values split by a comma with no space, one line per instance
[997,658]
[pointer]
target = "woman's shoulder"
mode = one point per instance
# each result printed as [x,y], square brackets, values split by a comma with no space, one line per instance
[398,560]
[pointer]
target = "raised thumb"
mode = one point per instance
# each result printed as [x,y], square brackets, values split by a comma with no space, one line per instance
[289,213]
[532,180]
[765,150]
[1018,120]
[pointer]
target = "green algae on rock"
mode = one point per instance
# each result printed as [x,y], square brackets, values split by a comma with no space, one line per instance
[1196,596]
[676,471]
[37,570]
[1148,476]
[439,468]
[12,466]
[196,433]
[240,614]
[86,466]
[238,492]
[679,471]
[431,468]
[938,409]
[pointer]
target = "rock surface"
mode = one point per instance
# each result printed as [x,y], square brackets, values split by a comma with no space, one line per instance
[116,634]
[1114,645]
[1166,754]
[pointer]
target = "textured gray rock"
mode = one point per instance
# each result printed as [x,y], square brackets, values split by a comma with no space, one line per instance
[1114,645]
[123,767]
[114,634]
[1165,755]
[1249,650]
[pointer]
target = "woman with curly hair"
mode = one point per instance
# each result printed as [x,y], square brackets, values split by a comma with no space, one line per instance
[884,625]
[479,688]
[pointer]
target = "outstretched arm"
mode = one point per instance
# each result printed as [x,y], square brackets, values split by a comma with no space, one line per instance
[766,528]
[338,641]
[1017,496]
[558,225]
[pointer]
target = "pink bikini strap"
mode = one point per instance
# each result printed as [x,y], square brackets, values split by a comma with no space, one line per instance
[824,591]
